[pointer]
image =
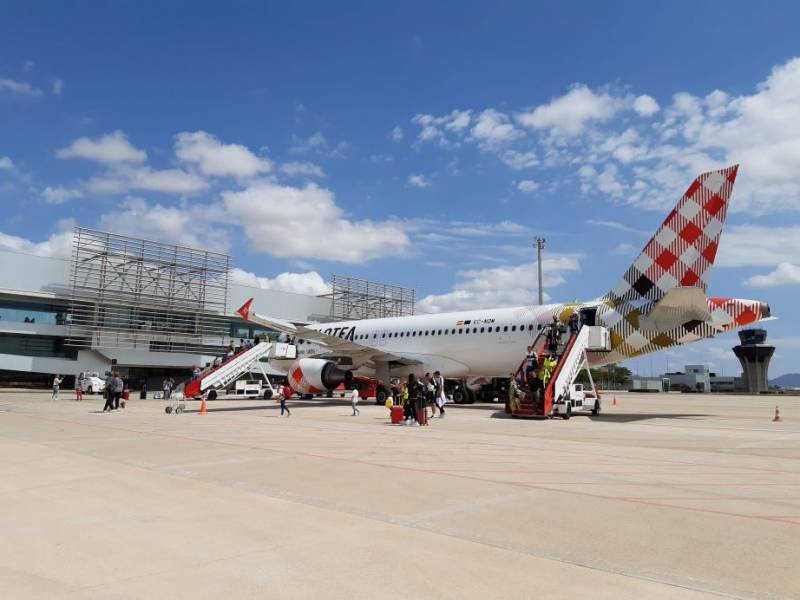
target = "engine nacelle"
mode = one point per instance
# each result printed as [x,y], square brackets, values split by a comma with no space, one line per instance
[315,375]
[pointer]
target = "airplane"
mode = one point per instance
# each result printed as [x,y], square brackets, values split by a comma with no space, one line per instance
[660,302]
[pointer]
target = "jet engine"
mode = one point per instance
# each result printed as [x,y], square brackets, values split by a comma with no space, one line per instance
[315,375]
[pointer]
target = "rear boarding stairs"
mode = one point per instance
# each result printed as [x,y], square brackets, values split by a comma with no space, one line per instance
[562,396]
[220,377]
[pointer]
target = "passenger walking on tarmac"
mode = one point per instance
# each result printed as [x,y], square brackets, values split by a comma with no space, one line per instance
[108,392]
[118,386]
[354,402]
[409,409]
[416,396]
[166,385]
[427,384]
[78,389]
[286,393]
[56,384]
[440,396]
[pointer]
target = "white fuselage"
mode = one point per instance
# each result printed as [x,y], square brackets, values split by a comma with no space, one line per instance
[488,343]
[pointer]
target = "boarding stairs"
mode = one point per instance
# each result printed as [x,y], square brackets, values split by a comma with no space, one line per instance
[561,395]
[221,376]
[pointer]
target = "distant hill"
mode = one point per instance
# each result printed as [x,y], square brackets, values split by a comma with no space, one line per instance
[789,380]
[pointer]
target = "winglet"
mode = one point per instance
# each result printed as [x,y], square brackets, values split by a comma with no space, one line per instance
[244,310]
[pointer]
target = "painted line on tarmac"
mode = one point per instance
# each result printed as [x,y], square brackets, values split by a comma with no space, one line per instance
[517,484]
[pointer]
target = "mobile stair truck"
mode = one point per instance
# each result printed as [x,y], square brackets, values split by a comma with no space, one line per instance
[562,396]
[215,380]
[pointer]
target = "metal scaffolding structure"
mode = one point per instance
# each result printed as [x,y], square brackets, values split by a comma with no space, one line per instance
[134,293]
[354,298]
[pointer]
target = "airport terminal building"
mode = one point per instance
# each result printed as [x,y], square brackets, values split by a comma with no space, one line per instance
[149,309]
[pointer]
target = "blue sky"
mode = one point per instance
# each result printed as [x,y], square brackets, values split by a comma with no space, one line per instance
[424,144]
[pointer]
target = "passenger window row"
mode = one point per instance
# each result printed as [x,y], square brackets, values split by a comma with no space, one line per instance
[454,331]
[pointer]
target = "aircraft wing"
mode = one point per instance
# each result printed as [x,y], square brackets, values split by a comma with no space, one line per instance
[339,346]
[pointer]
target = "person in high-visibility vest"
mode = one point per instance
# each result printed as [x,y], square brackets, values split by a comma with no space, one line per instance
[548,366]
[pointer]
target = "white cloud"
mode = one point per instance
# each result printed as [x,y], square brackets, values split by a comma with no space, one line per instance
[28,65]
[528,186]
[437,128]
[216,159]
[58,245]
[605,181]
[112,148]
[58,86]
[623,249]
[6,164]
[196,227]
[299,283]
[500,286]
[519,160]
[20,88]
[570,114]
[316,143]
[168,181]
[493,128]
[784,274]
[59,194]
[419,181]
[758,246]
[307,169]
[397,134]
[306,222]
[645,106]
[613,225]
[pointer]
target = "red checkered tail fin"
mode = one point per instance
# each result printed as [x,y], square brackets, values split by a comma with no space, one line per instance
[682,251]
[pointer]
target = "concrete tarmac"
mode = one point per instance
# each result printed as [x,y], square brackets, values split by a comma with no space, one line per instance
[663,496]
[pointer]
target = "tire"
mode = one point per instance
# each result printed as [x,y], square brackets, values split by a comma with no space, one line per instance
[597,408]
[179,410]
[168,410]
[459,397]
[470,396]
[89,390]
[568,412]
[212,395]
[267,394]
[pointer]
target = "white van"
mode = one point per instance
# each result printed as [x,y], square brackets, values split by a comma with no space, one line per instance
[92,383]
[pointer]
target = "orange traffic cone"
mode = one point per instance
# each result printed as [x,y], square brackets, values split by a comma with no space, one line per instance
[777,416]
[203,409]
[614,403]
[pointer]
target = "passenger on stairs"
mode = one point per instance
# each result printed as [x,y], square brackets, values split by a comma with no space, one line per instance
[515,393]
[574,323]
[536,390]
[548,366]
[531,361]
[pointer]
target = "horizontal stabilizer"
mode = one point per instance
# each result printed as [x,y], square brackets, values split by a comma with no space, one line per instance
[678,306]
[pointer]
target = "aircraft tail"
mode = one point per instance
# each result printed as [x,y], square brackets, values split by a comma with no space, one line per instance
[682,251]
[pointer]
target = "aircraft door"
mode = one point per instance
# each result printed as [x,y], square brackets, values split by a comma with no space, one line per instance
[588,316]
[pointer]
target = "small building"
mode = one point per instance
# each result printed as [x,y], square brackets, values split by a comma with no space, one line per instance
[696,378]
[648,384]
[720,383]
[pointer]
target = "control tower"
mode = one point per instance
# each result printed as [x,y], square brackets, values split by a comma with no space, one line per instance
[754,354]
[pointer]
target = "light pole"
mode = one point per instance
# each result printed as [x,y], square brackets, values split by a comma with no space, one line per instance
[539,247]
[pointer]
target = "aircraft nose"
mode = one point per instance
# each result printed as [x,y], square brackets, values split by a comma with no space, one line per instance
[765,311]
